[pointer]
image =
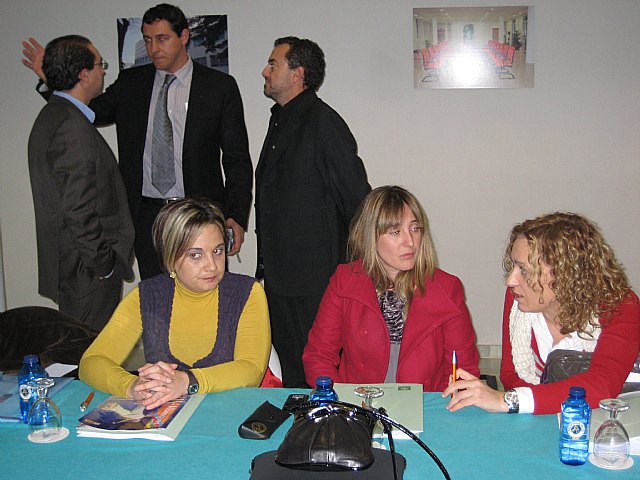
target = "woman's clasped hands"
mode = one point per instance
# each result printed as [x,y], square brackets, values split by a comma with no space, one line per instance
[158,383]
[469,390]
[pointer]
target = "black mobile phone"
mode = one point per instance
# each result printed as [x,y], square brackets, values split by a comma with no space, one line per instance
[294,401]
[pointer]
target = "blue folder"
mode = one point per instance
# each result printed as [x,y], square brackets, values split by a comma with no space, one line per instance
[9,403]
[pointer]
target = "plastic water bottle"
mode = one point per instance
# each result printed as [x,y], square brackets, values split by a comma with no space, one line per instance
[31,369]
[324,391]
[574,436]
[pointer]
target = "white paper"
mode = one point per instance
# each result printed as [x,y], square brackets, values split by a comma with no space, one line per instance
[59,369]
[633,378]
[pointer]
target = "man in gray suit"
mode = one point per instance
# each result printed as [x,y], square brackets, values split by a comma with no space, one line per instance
[83,226]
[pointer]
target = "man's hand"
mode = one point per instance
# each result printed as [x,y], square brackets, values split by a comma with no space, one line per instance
[33,54]
[238,236]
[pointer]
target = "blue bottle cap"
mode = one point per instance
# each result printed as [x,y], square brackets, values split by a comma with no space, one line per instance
[30,359]
[577,392]
[324,381]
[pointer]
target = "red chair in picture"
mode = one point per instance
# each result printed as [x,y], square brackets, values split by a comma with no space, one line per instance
[430,65]
[503,65]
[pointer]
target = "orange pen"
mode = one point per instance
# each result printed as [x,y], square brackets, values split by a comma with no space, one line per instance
[454,367]
[85,404]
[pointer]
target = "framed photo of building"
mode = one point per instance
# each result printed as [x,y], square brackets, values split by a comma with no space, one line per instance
[473,47]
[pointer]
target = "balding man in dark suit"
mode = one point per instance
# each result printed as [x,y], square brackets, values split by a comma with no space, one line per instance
[84,230]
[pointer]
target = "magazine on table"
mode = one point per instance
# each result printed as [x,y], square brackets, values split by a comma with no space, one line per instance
[120,418]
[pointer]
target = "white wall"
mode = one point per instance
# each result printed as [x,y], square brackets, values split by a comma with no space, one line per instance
[479,160]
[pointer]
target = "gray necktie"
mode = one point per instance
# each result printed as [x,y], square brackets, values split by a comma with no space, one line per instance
[163,172]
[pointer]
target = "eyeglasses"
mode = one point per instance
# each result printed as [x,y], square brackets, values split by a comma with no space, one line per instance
[103,64]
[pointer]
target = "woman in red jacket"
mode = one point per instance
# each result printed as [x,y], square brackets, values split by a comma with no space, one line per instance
[390,315]
[566,290]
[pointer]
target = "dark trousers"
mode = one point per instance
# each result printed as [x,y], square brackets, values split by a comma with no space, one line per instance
[291,320]
[149,264]
[90,301]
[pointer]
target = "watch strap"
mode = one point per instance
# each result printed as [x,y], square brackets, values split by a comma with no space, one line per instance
[193,386]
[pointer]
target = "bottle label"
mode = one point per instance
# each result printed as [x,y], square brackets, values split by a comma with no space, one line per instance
[25,392]
[576,429]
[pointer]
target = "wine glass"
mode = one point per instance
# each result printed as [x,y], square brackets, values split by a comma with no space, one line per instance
[611,441]
[45,419]
[368,393]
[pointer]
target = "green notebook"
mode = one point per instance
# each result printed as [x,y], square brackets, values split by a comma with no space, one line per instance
[402,401]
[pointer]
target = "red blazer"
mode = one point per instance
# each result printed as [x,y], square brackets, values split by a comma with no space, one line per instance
[349,340]
[611,362]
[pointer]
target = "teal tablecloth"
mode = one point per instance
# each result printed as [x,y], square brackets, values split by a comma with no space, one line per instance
[471,443]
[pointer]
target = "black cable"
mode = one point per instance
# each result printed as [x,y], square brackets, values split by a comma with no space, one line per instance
[392,448]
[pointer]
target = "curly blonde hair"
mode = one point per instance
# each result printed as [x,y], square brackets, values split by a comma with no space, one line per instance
[381,210]
[586,278]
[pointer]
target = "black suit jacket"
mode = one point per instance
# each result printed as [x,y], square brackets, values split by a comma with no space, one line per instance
[309,183]
[83,225]
[215,122]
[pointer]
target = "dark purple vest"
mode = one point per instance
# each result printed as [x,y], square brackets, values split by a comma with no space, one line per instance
[156,301]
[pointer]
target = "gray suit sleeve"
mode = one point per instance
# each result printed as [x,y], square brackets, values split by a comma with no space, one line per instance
[73,157]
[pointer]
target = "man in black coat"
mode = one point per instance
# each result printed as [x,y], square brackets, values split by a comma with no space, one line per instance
[206,113]
[309,182]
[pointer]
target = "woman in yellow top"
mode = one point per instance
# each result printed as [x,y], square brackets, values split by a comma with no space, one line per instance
[203,330]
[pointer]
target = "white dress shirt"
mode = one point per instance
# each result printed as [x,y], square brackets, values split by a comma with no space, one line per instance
[177,106]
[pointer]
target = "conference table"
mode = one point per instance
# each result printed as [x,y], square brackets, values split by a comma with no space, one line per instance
[471,443]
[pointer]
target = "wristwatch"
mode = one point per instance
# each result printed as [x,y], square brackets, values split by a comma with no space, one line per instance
[511,399]
[193,386]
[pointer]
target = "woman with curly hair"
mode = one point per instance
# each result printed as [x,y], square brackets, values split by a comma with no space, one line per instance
[565,290]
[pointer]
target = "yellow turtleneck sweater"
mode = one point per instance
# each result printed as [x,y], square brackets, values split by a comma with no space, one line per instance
[192,334]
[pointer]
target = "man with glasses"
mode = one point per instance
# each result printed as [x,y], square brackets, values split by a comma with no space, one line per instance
[83,226]
[174,118]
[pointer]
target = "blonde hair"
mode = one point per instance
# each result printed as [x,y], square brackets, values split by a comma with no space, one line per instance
[586,278]
[381,210]
[178,225]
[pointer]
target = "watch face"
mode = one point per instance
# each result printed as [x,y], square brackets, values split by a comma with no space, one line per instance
[511,399]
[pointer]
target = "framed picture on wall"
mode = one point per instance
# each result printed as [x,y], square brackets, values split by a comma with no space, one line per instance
[473,47]
[208,43]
